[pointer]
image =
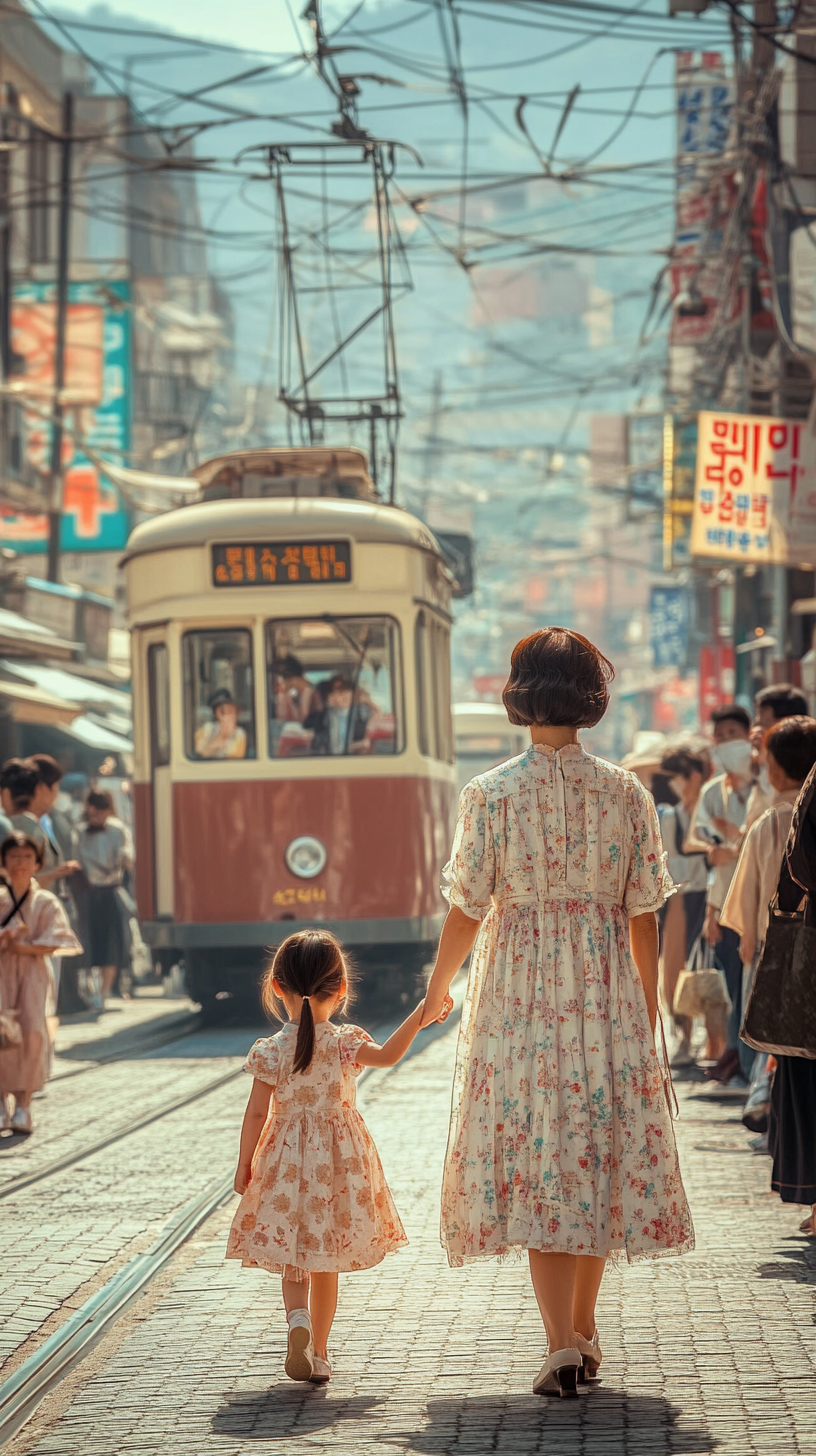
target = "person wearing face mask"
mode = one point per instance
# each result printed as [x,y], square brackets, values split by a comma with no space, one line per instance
[717,827]
[771,705]
[681,919]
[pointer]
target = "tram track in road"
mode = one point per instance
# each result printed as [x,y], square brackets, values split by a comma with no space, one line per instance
[182,1027]
[125,1130]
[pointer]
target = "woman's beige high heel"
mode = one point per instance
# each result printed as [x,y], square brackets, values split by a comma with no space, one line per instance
[590,1357]
[559,1374]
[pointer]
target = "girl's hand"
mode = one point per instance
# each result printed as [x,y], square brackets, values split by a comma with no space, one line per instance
[243,1177]
[436,1007]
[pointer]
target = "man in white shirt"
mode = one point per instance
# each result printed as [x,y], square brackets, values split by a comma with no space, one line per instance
[718,826]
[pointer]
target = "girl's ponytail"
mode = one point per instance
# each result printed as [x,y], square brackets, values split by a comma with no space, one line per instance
[309,963]
[304,1050]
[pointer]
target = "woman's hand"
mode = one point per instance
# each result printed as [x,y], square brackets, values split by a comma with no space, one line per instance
[437,1006]
[243,1177]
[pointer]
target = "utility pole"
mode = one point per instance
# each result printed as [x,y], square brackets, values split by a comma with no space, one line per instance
[63,259]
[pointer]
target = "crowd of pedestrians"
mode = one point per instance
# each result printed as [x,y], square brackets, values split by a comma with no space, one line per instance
[725,806]
[65,914]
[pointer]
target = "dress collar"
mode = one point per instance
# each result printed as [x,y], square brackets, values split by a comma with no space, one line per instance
[570,750]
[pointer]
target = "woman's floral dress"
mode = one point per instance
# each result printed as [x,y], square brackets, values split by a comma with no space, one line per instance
[318,1201]
[561,1137]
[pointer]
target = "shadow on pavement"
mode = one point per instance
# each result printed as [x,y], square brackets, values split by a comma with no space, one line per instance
[795,1265]
[627,1423]
[288,1412]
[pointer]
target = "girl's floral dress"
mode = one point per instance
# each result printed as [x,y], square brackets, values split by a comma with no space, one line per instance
[318,1201]
[561,1137]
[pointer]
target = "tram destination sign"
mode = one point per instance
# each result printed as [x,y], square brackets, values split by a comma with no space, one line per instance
[281,563]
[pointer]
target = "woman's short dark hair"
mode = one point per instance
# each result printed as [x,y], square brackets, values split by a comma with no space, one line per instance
[558,679]
[682,763]
[792,742]
[21,841]
[21,777]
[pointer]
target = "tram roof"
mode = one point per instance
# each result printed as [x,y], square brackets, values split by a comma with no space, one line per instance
[238,520]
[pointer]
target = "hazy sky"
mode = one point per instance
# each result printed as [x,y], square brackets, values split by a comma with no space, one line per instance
[262,24]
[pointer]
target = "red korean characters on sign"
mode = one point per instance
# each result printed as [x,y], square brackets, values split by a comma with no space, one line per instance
[754,481]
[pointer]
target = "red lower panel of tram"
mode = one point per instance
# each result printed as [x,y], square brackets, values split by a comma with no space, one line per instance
[386,841]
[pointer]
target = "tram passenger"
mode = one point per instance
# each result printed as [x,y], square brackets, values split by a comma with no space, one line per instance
[343,721]
[33,926]
[292,690]
[223,737]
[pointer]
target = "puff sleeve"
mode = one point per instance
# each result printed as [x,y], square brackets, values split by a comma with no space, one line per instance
[648,882]
[469,877]
[349,1041]
[50,926]
[262,1061]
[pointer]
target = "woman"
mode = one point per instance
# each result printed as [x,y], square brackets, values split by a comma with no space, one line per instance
[105,852]
[561,1139]
[790,748]
[683,915]
[33,925]
[223,737]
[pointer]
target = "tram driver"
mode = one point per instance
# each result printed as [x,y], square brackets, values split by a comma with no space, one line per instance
[223,737]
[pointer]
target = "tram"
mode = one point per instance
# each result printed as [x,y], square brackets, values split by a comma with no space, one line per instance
[294,756]
[484,737]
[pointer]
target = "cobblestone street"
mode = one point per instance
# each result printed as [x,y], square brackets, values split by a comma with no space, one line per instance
[714,1352]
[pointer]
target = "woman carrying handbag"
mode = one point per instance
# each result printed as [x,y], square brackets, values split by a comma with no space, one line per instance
[780,1015]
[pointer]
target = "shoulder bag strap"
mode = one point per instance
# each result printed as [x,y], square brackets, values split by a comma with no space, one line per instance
[16,905]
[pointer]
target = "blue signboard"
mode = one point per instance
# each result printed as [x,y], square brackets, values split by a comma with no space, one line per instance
[96,410]
[669,625]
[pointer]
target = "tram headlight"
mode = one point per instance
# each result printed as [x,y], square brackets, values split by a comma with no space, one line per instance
[305,857]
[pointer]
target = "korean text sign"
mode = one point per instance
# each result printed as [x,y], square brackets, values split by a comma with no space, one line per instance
[281,563]
[755,491]
[668,625]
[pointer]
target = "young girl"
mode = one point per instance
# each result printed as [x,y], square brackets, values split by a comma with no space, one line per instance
[315,1201]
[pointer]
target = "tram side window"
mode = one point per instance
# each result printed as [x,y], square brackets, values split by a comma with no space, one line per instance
[433,688]
[158,674]
[443,695]
[331,686]
[424,705]
[219,706]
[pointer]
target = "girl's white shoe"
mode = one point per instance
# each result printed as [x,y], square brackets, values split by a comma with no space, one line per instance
[300,1359]
[322,1371]
[590,1356]
[559,1374]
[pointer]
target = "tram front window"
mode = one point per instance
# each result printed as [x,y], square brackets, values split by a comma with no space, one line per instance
[330,683]
[219,719]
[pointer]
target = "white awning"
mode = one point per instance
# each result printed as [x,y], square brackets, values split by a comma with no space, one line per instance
[27,704]
[73,688]
[86,730]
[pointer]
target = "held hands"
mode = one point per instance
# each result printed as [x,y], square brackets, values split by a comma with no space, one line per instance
[435,1007]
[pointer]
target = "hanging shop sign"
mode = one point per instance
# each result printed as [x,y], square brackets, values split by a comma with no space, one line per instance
[706,192]
[755,490]
[97,410]
[679,466]
[668,625]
